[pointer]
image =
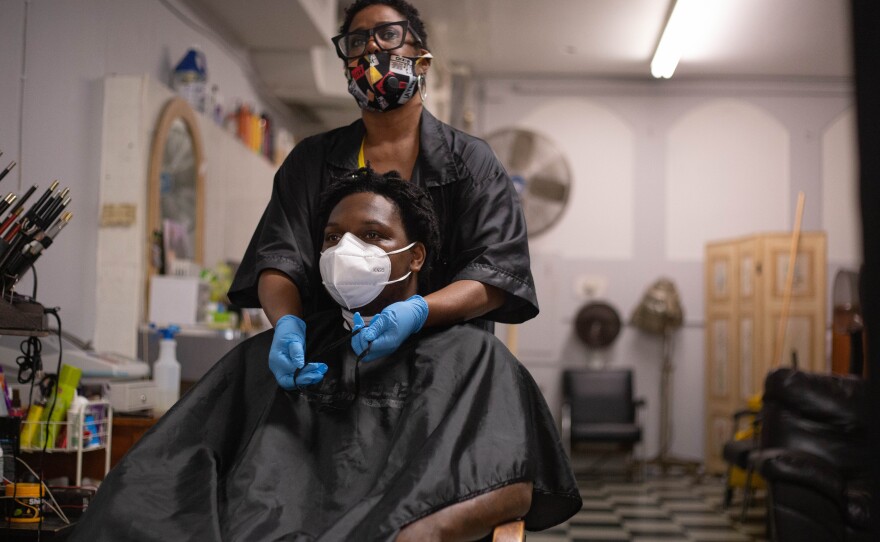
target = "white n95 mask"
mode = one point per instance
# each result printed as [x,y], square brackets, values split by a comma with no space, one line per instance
[355,273]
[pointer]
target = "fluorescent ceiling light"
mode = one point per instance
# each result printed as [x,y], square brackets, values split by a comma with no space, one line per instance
[685,20]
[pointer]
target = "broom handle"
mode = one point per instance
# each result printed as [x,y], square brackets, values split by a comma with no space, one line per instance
[513,339]
[789,280]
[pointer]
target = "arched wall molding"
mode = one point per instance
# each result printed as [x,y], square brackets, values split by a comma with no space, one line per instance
[600,148]
[727,174]
[840,204]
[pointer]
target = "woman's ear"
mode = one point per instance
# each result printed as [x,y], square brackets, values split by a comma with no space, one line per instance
[418,251]
[423,65]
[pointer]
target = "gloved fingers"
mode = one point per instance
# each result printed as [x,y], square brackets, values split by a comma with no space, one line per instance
[287,349]
[378,326]
[311,374]
[296,350]
[358,321]
[358,343]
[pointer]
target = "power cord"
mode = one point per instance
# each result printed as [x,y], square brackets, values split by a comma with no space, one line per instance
[54,312]
[30,365]
[30,362]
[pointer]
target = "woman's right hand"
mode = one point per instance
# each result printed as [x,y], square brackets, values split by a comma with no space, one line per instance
[288,353]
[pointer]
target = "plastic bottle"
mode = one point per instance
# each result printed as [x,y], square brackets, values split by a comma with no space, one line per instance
[75,422]
[190,79]
[166,371]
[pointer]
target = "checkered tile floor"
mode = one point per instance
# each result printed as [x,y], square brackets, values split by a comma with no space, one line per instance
[661,509]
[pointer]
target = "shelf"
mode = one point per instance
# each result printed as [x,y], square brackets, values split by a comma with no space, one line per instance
[63,450]
[25,332]
[23,318]
[79,430]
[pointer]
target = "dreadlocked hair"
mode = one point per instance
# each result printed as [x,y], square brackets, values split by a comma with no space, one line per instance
[413,204]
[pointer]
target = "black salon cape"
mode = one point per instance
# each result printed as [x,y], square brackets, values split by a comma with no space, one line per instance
[482,227]
[451,415]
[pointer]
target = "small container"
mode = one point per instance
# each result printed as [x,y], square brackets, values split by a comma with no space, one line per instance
[166,371]
[25,508]
[75,422]
[190,79]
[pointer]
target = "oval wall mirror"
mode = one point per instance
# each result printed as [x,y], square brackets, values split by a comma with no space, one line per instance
[176,192]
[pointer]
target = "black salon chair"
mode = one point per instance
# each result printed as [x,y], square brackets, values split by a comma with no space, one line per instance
[815,457]
[599,409]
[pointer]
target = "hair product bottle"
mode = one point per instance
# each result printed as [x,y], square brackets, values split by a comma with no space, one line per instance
[166,371]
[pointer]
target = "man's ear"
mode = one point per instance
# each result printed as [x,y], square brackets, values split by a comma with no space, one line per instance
[418,251]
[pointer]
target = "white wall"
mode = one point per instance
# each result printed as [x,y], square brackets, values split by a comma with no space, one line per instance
[133,106]
[53,58]
[658,169]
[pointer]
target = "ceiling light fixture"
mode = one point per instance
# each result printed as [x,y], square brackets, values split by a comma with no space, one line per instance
[683,22]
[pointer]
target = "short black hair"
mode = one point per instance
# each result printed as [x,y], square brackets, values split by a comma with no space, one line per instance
[403,7]
[413,204]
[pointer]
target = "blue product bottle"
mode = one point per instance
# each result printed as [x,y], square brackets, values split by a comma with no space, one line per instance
[190,79]
[92,427]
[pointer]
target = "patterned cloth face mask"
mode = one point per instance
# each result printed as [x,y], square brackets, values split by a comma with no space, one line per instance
[383,81]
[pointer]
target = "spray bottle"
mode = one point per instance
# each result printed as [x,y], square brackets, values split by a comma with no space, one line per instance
[166,371]
[190,78]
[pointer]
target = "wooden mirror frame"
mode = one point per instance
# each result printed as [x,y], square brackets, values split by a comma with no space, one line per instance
[176,108]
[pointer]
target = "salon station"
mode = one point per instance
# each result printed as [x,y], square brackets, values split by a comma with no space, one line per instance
[624,293]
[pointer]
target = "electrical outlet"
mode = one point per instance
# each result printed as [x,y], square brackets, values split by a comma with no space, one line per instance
[590,286]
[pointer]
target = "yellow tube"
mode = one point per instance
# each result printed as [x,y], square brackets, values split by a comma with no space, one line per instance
[30,425]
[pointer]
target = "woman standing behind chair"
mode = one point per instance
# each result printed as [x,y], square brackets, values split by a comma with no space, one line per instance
[483,266]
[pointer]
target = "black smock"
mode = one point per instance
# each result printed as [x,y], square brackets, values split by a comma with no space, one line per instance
[482,228]
[373,447]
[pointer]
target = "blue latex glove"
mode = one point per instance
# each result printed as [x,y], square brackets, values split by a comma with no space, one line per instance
[288,353]
[390,328]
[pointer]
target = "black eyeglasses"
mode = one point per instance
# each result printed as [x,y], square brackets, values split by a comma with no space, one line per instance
[388,37]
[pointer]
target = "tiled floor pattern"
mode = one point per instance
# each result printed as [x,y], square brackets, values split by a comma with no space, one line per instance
[671,509]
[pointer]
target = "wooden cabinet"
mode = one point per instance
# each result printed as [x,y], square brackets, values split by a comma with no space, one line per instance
[126,432]
[744,293]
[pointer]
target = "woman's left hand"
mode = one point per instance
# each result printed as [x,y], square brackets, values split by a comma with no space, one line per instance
[390,328]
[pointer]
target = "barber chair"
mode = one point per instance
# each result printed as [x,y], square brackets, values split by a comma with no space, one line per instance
[599,409]
[815,457]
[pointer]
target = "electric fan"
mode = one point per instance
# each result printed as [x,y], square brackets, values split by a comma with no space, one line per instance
[539,172]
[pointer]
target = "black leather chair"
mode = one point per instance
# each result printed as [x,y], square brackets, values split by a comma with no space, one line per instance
[815,457]
[599,408]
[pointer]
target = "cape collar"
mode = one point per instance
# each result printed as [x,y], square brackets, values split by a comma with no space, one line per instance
[436,162]
[348,316]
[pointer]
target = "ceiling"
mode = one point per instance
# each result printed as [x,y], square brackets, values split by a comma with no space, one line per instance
[739,38]
[288,40]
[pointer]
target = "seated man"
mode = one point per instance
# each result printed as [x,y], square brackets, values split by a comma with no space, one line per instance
[441,440]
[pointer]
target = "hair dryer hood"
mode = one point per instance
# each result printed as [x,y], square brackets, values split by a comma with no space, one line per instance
[660,309]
